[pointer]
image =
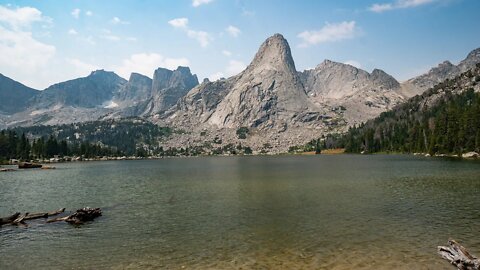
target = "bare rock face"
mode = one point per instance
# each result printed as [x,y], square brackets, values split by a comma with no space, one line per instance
[418,85]
[473,58]
[138,88]
[14,96]
[168,87]
[438,74]
[359,94]
[87,92]
[267,94]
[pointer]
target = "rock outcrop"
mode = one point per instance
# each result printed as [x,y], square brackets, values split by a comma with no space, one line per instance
[359,94]
[438,74]
[168,87]
[88,92]
[268,94]
[14,96]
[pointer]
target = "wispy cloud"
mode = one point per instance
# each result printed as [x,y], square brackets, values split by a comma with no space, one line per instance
[146,63]
[72,31]
[227,53]
[204,38]
[21,17]
[234,67]
[399,4]
[89,13]
[179,22]
[233,31]
[117,20]
[81,68]
[197,3]
[20,52]
[329,33]
[76,13]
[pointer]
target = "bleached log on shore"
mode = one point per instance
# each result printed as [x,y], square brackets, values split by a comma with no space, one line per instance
[458,256]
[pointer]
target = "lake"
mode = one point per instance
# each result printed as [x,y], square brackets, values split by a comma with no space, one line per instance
[279,212]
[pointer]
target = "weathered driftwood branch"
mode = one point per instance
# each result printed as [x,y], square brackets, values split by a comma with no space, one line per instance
[19,219]
[80,216]
[44,215]
[459,256]
[9,219]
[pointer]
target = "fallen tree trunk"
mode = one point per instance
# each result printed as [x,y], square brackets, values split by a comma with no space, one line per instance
[9,219]
[80,216]
[44,215]
[458,256]
[20,219]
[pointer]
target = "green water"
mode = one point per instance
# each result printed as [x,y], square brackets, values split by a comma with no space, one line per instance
[287,212]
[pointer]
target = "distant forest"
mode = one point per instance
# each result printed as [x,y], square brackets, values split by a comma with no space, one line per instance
[14,146]
[451,125]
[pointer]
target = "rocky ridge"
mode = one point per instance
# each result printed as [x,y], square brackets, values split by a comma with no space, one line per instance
[278,105]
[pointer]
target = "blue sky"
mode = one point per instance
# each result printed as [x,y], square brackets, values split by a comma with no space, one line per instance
[43,42]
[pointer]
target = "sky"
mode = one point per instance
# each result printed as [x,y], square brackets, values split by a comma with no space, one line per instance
[49,41]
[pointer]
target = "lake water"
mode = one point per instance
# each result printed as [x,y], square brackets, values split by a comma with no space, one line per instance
[284,212]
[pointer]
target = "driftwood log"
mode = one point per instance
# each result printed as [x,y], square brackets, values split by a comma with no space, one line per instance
[9,219]
[80,216]
[458,256]
[19,219]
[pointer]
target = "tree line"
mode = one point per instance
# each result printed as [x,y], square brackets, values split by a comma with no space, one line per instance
[444,120]
[15,146]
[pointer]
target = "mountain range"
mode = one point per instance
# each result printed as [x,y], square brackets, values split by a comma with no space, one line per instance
[278,105]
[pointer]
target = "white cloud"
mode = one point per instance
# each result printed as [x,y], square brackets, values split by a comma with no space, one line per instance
[227,53]
[329,33]
[233,31]
[399,4]
[81,68]
[117,20]
[179,23]
[19,49]
[21,17]
[89,13]
[21,54]
[202,37]
[353,63]
[111,37]
[234,67]
[215,76]
[76,13]
[132,39]
[146,63]
[90,40]
[197,3]
[72,31]
[248,13]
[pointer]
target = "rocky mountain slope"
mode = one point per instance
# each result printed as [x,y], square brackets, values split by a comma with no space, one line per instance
[361,95]
[270,101]
[14,96]
[101,95]
[445,70]
[279,105]
[443,120]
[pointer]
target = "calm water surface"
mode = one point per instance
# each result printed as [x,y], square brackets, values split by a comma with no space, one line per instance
[287,212]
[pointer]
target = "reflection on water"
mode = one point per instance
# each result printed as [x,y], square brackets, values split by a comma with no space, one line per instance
[315,212]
